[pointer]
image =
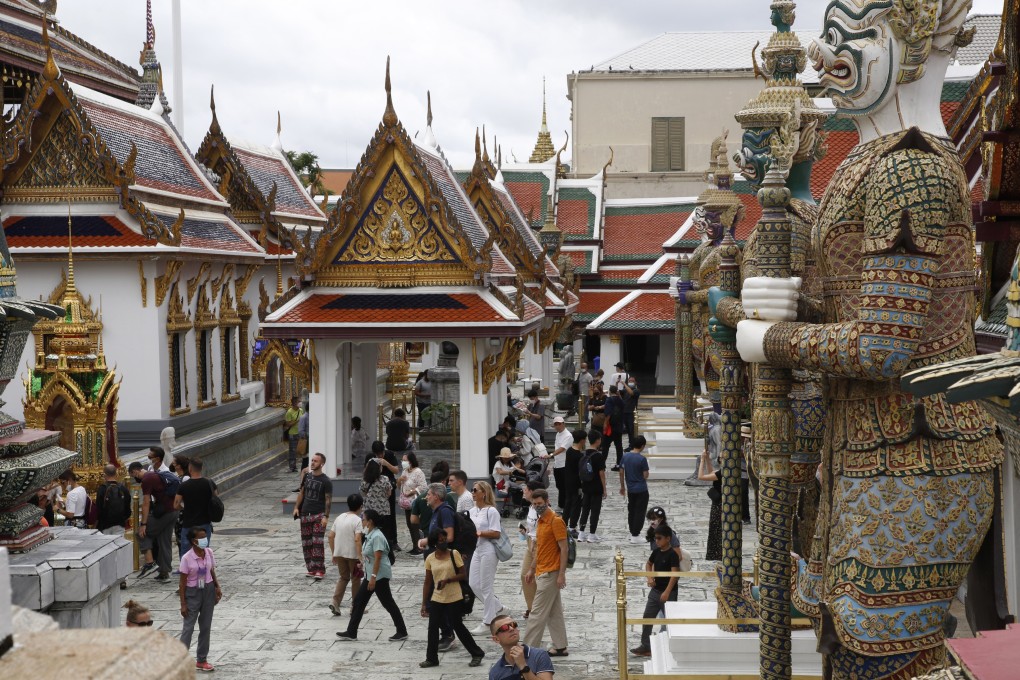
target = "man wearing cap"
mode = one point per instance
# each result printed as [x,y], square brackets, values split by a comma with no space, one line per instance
[564,440]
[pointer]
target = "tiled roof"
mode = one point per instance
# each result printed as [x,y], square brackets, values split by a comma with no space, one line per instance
[581,260]
[731,50]
[447,183]
[702,51]
[575,213]
[526,233]
[386,308]
[995,324]
[266,167]
[639,232]
[211,232]
[50,231]
[621,276]
[594,304]
[985,39]
[161,163]
[531,190]
[648,311]
[21,38]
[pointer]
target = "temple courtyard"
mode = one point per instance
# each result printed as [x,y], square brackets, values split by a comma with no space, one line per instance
[274,622]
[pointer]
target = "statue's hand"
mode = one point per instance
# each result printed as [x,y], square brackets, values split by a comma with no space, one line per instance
[720,332]
[770,299]
[715,294]
[682,289]
[751,340]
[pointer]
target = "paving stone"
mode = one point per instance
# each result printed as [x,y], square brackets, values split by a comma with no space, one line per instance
[274,623]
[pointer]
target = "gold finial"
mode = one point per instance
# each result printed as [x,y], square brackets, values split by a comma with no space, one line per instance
[50,70]
[478,145]
[215,125]
[390,116]
[485,146]
[279,271]
[428,114]
[544,149]
[545,126]
[608,163]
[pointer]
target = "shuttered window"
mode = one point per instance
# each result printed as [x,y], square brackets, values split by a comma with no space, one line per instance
[667,144]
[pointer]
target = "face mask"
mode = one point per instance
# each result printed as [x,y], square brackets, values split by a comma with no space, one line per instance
[203,543]
[631,385]
[404,464]
[541,511]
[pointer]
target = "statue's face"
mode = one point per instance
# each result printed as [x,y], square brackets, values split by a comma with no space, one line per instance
[855,56]
[755,155]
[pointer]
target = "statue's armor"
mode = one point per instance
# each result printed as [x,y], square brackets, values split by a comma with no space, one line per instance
[699,314]
[710,361]
[907,494]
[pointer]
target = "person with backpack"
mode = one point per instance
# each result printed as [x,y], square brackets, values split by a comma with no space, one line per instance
[113,503]
[194,501]
[157,514]
[592,472]
[571,491]
[76,502]
[442,599]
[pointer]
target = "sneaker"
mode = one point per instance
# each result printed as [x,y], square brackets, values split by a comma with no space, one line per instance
[204,666]
[397,637]
[476,660]
[428,664]
[615,468]
[594,538]
[636,539]
[319,575]
[447,644]
[505,611]
[334,609]
[309,574]
[146,568]
[573,532]
[163,578]
[582,536]
[346,637]
[641,651]
[480,628]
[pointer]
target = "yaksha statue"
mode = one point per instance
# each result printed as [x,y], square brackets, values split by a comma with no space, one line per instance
[907,482]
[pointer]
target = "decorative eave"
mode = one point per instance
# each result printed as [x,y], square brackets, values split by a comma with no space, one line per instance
[423,243]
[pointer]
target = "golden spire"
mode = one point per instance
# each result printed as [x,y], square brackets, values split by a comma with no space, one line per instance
[215,125]
[389,116]
[50,70]
[544,149]
[279,272]
[485,146]
[70,253]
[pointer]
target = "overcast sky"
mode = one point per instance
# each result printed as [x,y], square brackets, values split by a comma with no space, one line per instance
[321,64]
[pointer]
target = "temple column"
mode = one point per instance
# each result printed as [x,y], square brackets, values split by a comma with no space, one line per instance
[477,423]
[364,390]
[612,351]
[322,405]
[532,364]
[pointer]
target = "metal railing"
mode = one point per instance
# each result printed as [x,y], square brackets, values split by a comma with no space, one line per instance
[623,623]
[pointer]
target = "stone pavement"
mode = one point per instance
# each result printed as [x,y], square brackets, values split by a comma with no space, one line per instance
[273,622]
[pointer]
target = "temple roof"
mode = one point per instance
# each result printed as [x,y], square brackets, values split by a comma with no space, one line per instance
[379,313]
[265,166]
[21,46]
[641,311]
[731,50]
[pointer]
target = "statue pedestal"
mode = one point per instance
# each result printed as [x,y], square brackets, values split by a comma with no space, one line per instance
[706,650]
[75,577]
[672,454]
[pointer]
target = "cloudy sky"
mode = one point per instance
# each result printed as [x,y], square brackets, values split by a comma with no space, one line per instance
[321,64]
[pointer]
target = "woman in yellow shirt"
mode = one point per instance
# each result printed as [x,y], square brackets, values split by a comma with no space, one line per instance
[444,572]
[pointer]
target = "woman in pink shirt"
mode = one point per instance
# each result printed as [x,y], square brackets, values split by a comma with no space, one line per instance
[200,592]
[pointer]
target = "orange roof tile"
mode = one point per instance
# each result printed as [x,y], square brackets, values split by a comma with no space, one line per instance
[650,310]
[529,197]
[840,143]
[593,304]
[572,217]
[388,308]
[48,231]
[640,235]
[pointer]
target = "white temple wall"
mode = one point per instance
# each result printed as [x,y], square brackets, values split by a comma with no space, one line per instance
[665,368]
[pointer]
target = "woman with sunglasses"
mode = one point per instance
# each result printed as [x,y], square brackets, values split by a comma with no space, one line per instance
[138,615]
[484,561]
[444,572]
[200,593]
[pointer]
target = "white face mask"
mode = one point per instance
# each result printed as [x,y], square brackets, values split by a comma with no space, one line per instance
[404,464]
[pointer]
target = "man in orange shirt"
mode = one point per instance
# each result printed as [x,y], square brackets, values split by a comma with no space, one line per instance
[549,572]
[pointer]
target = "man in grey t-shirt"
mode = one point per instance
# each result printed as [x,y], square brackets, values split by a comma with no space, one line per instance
[313,505]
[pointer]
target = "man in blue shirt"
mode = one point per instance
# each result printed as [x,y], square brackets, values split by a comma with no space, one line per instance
[634,485]
[518,661]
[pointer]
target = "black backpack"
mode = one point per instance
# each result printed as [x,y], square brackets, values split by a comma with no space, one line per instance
[171,484]
[584,468]
[116,505]
[465,535]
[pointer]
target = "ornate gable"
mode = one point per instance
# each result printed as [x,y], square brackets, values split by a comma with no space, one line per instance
[488,206]
[246,201]
[393,225]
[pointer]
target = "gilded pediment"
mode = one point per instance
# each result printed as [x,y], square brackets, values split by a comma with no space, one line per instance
[396,229]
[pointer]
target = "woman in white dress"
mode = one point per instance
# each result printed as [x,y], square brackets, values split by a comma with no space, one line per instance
[482,574]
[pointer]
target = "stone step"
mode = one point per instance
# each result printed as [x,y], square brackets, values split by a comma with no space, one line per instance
[704,649]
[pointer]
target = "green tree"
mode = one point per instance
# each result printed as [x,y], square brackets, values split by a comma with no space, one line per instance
[306,165]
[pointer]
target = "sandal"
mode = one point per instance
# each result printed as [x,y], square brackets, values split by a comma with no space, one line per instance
[527,613]
[562,651]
